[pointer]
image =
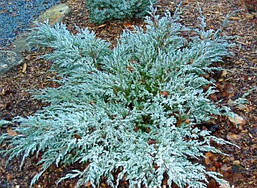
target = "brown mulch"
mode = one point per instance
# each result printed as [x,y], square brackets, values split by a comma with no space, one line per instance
[239,168]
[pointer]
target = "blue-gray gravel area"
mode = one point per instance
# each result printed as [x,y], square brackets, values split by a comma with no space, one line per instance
[17,15]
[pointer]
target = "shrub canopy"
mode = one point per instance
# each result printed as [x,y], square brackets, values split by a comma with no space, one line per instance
[131,110]
[106,10]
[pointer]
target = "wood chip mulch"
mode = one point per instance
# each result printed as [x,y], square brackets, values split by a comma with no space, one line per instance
[239,168]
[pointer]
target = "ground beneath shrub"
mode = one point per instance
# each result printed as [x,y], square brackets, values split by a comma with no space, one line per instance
[237,82]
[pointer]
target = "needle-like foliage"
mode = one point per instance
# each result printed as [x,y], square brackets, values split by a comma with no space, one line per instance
[130,111]
[106,10]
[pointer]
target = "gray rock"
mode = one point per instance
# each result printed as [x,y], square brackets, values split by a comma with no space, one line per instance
[54,15]
[9,59]
[21,44]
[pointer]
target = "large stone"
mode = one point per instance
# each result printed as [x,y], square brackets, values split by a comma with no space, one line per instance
[54,15]
[20,44]
[9,59]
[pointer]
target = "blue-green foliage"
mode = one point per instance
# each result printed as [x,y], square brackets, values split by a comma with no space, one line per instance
[130,110]
[106,10]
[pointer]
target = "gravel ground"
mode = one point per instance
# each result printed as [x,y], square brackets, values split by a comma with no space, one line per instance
[16,16]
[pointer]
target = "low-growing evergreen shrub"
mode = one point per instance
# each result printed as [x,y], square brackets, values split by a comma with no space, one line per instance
[130,111]
[106,10]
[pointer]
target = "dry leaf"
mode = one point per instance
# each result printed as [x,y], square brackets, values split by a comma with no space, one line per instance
[77,136]
[237,120]
[249,16]
[151,141]
[11,132]
[130,68]
[24,67]
[224,73]
[164,93]
[101,26]
[233,137]
[234,18]
[187,121]
[128,25]
[210,158]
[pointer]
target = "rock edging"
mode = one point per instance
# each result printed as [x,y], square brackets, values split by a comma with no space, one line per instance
[13,57]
